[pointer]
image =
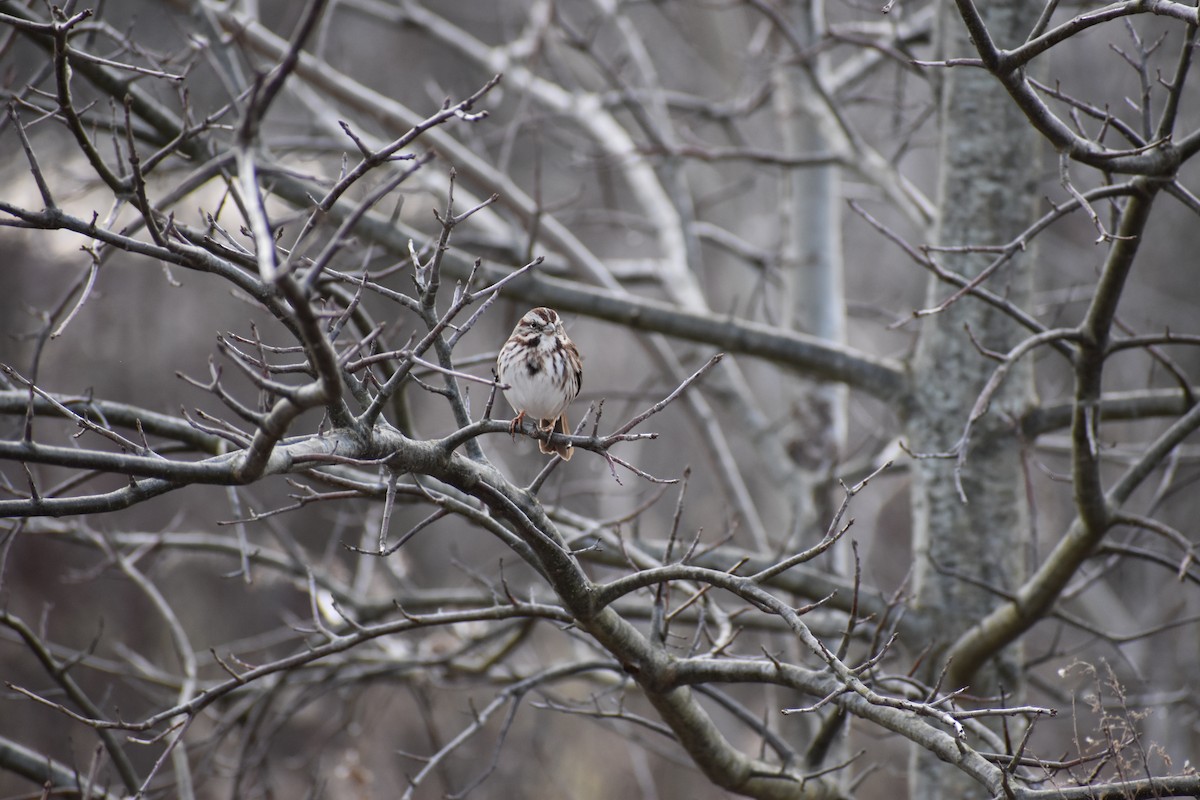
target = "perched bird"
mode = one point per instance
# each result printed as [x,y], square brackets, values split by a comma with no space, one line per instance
[544,371]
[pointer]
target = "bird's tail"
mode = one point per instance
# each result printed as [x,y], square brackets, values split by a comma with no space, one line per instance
[565,450]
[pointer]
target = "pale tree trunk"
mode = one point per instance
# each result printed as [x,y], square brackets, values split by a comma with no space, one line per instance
[813,301]
[812,266]
[986,196]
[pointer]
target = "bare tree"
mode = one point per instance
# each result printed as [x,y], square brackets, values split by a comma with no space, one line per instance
[873,478]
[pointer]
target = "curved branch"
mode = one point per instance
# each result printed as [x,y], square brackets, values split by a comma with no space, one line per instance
[41,769]
[1093,507]
[1161,159]
[1036,46]
[1039,593]
[819,684]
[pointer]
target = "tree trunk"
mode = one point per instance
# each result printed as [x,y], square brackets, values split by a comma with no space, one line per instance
[964,549]
[813,301]
[814,293]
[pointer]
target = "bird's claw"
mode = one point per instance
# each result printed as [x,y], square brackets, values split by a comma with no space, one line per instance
[516,423]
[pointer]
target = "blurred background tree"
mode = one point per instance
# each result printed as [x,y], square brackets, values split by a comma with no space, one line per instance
[925,522]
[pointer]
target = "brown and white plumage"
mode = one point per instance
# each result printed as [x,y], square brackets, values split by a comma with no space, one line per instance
[544,372]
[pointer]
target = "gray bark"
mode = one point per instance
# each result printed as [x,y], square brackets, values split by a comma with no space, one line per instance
[964,549]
